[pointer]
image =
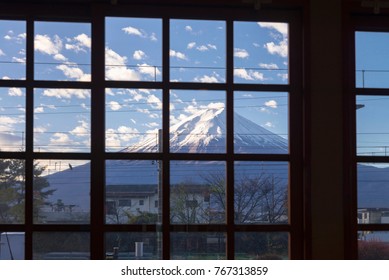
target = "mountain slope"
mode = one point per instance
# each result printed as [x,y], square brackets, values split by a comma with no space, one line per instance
[205,132]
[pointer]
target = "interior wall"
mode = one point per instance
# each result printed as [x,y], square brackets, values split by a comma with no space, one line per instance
[326,130]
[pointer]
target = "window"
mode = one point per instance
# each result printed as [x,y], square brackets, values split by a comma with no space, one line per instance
[152,135]
[371,103]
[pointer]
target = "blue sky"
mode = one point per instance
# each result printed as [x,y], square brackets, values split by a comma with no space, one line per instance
[372,59]
[134,53]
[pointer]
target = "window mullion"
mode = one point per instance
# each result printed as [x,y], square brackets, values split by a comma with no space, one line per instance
[97,136]
[29,160]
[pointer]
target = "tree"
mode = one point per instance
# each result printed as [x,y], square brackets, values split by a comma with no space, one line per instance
[189,203]
[257,199]
[12,190]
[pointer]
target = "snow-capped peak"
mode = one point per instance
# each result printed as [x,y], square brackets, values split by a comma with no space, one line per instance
[205,132]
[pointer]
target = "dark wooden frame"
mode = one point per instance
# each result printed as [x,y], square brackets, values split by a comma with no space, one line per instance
[95,14]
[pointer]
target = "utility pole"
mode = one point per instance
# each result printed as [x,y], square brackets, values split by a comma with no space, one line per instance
[159,222]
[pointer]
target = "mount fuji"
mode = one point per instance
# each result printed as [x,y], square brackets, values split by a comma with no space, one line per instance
[202,132]
[205,132]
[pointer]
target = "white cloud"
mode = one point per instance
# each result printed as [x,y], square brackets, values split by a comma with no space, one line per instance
[4,120]
[150,70]
[194,109]
[153,37]
[73,72]
[154,101]
[152,124]
[281,46]
[116,69]
[60,57]
[1,53]
[39,109]
[256,45]
[249,75]
[19,59]
[114,106]
[22,36]
[122,73]
[270,66]
[188,28]
[144,111]
[202,48]
[136,95]
[112,140]
[74,47]
[114,59]
[40,129]
[271,103]
[81,130]
[284,77]
[67,93]
[178,55]
[280,49]
[191,45]
[47,45]
[133,31]
[269,124]
[257,75]
[241,53]
[84,40]
[242,73]
[207,79]
[59,139]
[127,133]
[19,38]
[277,26]
[154,116]
[84,106]
[215,105]
[15,92]
[139,54]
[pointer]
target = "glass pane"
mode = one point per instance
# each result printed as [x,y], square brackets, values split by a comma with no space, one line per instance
[197,192]
[197,51]
[61,245]
[197,121]
[261,245]
[12,191]
[133,246]
[132,193]
[12,119]
[12,49]
[61,191]
[133,120]
[62,120]
[261,122]
[261,192]
[198,246]
[62,51]
[372,59]
[373,245]
[372,127]
[133,49]
[261,52]
[12,246]
[373,193]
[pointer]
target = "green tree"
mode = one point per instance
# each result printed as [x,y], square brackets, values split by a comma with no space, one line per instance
[12,190]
